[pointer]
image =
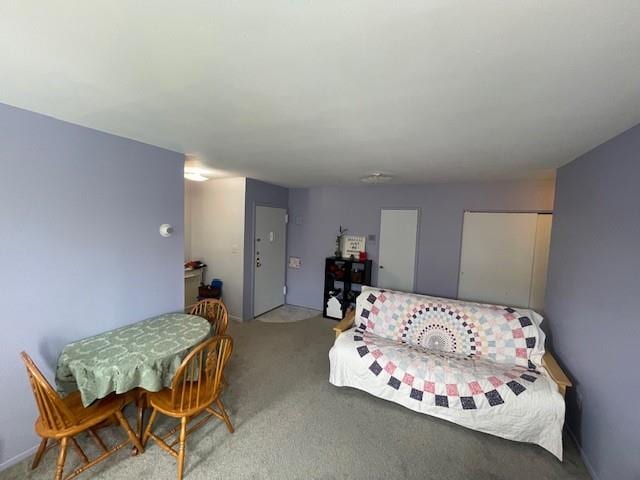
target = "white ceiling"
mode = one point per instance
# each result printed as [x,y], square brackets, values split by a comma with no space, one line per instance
[316,92]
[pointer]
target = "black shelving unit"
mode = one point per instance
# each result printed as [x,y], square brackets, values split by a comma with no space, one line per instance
[345,274]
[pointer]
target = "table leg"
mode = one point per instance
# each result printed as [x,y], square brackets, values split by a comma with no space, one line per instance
[141,405]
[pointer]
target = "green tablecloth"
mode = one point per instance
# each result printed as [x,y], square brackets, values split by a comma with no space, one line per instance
[145,354]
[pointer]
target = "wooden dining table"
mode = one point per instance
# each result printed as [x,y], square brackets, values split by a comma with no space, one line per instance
[144,355]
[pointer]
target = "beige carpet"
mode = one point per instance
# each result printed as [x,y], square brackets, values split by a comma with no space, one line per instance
[292,424]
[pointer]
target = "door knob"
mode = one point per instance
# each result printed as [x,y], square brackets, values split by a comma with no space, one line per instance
[381,266]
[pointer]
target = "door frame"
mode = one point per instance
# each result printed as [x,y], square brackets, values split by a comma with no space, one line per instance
[418,234]
[539,212]
[253,250]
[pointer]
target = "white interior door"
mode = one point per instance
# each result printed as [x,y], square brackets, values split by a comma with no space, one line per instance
[269,259]
[496,263]
[397,259]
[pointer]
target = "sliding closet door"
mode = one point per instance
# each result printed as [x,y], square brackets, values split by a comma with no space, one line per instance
[497,258]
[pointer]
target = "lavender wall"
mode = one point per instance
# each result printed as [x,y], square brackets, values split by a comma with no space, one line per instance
[592,301]
[267,195]
[79,247]
[315,214]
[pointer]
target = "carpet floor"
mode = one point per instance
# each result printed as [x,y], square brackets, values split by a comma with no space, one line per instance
[292,424]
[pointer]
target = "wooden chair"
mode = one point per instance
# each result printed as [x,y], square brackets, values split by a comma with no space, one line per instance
[195,387]
[215,312]
[62,419]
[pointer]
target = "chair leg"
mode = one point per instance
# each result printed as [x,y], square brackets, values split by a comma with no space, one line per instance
[130,433]
[41,449]
[183,439]
[225,417]
[147,432]
[62,455]
[79,451]
[98,441]
[140,406]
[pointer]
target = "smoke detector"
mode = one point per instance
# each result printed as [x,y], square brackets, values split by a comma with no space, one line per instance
[376,178]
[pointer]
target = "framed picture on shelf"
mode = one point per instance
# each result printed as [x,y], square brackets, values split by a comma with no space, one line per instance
[352,245]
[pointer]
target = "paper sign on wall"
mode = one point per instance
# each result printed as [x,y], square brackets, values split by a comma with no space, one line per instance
[295,262]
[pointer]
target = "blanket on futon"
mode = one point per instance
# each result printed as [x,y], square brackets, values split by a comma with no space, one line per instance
[473,364]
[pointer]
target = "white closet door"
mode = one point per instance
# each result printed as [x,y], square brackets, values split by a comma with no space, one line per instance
[496,263]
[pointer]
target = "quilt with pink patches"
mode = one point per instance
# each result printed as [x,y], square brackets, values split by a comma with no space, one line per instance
[473,364]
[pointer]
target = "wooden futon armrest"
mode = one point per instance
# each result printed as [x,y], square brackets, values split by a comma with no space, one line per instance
[556,373]
[346,323]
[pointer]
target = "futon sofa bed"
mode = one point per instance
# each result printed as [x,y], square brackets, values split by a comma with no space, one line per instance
[480,366]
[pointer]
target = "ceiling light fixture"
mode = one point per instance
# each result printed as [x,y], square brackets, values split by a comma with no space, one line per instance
[195,177]
[194,169]
[376,178]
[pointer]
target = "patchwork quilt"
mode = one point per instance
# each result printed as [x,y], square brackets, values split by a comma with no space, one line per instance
[473,364]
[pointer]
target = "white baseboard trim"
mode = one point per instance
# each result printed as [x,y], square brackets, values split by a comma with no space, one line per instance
[585,459]
[18,458]
[319,309]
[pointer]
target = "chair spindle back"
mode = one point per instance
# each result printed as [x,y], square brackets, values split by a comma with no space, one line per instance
[215,312]
[197,381]
[54,414]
